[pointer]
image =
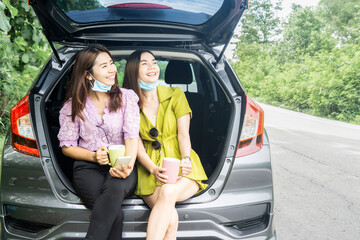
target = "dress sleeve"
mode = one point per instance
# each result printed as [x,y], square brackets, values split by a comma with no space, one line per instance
[180,104]
[131,115]
[69,130]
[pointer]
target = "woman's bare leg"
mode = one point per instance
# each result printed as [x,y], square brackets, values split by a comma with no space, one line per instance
[173,226]
[162,202]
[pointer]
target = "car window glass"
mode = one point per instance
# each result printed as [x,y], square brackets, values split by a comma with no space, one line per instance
[143,10]
[120,64]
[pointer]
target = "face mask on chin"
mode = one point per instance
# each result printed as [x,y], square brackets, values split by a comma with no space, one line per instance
[98,86]
[148,86]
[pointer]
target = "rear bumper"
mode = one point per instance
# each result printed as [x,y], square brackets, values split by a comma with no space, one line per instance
[195,222]
[242,210]
[77,230]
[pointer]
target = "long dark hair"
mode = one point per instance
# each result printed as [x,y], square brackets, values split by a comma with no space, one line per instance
[131,74]
[79,86]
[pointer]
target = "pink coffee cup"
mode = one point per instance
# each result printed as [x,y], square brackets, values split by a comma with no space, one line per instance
[172,166]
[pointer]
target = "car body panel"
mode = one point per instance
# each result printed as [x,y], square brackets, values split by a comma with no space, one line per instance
[252,198]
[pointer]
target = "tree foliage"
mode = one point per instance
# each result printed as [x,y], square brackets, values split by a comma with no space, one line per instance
[260,23]
[23,51]
[342,18]
[301,31]
[314,67]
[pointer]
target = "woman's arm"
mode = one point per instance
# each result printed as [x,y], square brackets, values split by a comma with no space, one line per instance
[145,160]
[79,153]
[131,148]
[183,125]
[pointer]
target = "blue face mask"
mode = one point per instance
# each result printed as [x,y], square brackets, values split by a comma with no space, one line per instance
[99,87]
[148,86]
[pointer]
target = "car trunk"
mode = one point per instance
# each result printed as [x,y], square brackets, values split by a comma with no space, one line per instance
[209,102]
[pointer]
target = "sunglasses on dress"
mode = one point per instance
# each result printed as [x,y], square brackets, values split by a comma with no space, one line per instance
[105,135]
[154,133]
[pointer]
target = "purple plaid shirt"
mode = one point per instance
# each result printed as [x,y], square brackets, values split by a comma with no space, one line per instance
[93,132]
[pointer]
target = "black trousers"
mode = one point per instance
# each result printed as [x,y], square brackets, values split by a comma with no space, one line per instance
[103,194]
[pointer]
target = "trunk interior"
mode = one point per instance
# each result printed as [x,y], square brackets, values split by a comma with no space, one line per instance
[210,105]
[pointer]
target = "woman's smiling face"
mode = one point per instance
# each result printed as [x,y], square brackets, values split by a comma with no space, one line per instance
[149,69]
[104,69]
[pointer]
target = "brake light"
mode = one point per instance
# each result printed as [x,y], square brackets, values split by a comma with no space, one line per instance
[251,138]
[22,136]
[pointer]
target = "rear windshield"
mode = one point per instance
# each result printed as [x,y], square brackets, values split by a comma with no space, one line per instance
[194,12]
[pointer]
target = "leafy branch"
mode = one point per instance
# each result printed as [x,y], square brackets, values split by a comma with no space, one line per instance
[23,51]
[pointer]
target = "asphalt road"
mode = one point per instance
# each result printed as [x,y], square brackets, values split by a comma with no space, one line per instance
[316,172]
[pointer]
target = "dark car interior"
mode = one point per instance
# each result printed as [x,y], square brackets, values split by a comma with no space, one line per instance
[209,104]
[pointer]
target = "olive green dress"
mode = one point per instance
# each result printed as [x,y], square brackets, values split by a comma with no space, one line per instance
[173,104]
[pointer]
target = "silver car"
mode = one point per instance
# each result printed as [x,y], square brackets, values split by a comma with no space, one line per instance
[188,38]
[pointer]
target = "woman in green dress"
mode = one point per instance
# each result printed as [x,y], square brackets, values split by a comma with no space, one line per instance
[164,131]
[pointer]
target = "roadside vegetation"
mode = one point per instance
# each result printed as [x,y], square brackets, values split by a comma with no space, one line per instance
[23,51]
[309,62]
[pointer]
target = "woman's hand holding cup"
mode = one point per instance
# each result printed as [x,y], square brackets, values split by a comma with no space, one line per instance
[101,156]
[186,167]
[159,176]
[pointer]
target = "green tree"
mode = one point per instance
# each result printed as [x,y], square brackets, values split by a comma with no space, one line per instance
[343,18]
[259,23]
[23,50]
[309,69]
[305,32]
[301,28]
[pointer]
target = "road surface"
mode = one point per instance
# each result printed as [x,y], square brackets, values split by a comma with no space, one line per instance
[316,172]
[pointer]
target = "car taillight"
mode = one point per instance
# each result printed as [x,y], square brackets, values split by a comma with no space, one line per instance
[251,138]
[22,136]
